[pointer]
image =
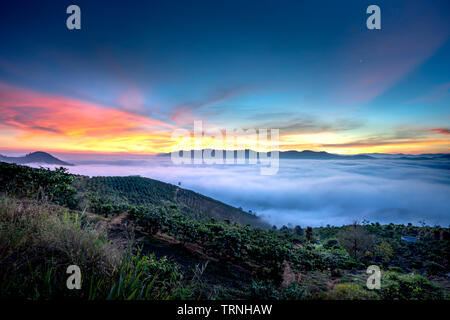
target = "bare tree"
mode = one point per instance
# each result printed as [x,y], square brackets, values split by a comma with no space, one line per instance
[355,239]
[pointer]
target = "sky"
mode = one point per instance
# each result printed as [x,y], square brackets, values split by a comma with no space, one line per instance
[139,70]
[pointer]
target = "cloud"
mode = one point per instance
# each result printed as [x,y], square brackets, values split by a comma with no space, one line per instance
[310,124]
[184,112]
[406,137]
[444,131]
[62,122]
[309,192]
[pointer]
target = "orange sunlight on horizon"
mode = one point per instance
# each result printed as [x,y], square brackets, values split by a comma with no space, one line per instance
[36,121]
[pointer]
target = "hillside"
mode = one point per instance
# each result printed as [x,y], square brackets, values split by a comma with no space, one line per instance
[153,250]
[35,157]
[135,190]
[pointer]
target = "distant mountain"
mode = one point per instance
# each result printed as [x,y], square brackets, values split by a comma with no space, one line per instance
[402,156]
[300,155]
[35,157]
[321,155]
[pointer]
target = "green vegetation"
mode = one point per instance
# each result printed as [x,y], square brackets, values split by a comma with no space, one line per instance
[40,184]
[112,195]
[137,238]
[39,241]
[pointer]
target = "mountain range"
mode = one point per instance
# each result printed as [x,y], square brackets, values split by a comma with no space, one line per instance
[46,158]
[323,155]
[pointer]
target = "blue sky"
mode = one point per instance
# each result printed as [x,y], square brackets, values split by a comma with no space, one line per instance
[310,68]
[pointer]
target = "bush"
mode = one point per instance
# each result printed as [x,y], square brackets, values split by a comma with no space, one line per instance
[434,268]
[396,286]
[331,244]
[350,291]
[39,184]
[396,269]
[39,242]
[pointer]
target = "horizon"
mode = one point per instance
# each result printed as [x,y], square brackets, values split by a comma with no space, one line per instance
[22,153]
[337,87]
[304,192]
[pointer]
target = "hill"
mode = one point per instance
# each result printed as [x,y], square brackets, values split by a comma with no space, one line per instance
[35,157]
[112,195]
[136,190]
[154,251]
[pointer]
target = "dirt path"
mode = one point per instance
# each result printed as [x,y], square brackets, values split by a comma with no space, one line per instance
[175,197]
[289,276]
[118,219]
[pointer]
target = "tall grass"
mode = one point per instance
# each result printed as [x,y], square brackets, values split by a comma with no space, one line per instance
[39,241]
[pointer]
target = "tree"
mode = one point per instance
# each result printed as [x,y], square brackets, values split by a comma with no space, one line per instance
[384,251]
[309,234]
[298,231]
[355,239]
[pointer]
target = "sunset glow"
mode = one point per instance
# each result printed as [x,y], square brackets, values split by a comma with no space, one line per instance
[343,90]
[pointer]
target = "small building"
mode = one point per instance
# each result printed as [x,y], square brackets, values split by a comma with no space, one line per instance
[410,239]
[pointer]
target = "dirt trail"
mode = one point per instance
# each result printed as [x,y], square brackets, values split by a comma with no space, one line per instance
[289,276]
[118,219]
[175,197]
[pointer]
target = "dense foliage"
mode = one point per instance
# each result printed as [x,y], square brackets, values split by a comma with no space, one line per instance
[41,184]
[111,195]
[50,219]
[262,251]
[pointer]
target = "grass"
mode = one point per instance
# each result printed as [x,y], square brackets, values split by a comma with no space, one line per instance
[39,241]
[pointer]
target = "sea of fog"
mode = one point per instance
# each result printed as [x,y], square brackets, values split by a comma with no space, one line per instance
[309,192]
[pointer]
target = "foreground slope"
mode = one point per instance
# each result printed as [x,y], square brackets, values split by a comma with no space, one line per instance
[158,252]
[135,190]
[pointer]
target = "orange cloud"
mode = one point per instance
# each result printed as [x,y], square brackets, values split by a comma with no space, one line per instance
[31,119]
[413,146]
[440,130]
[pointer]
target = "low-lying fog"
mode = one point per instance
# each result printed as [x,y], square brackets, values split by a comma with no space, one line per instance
[310,192]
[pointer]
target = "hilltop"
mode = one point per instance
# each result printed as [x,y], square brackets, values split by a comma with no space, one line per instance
[35,157]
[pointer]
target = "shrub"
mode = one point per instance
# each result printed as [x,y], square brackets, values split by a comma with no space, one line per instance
[396,269]
[39,241]
[350,291]
[396,286]
[331,244]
